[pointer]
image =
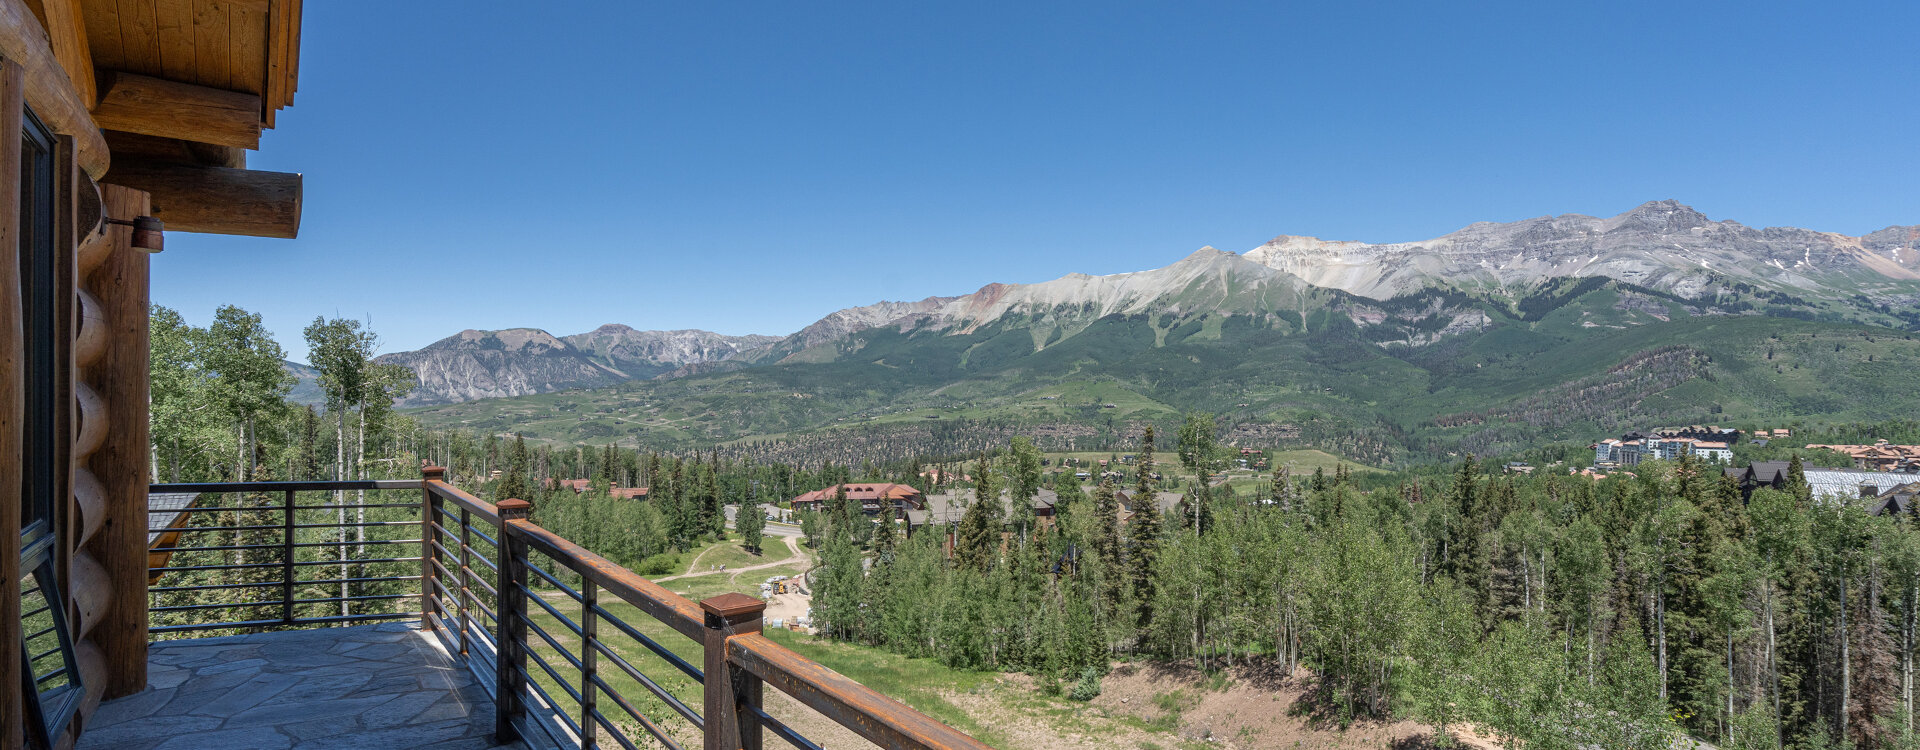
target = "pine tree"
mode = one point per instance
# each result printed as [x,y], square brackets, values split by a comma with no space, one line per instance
[977,539]
[514,484]
[1107,542]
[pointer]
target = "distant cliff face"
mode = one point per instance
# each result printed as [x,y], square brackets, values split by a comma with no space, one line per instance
[645,354]
[1662,245]
[489,364]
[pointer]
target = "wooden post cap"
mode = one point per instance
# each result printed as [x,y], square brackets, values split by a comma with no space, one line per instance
[514,507]
[433,472]
[733,606]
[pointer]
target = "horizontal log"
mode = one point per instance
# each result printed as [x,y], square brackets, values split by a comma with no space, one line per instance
[92,592]
[174,151]
[216,200]
[170,109]
[93,421]
[91,341]
[49,92]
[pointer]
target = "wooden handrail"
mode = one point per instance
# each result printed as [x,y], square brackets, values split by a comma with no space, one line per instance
[738,657]
[882,720]
[676,611]
[460,497]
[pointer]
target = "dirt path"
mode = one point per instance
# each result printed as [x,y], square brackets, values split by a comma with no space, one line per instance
[793,549]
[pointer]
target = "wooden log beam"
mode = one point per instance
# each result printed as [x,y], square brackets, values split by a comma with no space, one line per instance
[136,147]
[216,200]
[121,285]
[67,34]
[49,92]
[169,109]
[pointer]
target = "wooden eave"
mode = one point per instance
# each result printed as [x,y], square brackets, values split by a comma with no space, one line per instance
[177,90]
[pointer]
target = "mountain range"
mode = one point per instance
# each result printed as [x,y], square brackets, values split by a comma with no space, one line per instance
[1399,327]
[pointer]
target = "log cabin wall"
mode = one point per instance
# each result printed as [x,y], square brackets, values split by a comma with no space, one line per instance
[178,99]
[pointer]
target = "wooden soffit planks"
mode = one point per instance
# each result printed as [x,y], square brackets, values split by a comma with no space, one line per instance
[49,90]
[247,46]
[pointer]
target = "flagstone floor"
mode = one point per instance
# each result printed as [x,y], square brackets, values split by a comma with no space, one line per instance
[380,687]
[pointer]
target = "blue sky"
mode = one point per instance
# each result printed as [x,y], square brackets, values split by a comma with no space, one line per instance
[749,167]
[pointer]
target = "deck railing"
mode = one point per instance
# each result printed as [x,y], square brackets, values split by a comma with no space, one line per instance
[539,621]
[247,555]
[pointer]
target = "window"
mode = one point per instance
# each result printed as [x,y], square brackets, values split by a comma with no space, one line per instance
[52,681]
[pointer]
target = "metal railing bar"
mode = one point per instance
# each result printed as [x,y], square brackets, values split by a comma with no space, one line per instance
[881,719]
[572,660]
[201,529]
[42,608]
[543,718]
[50,675]
[415,506]
[360,561]
[570,592]
[302,563]
[491,565]
[44,654]
[278,602]
[551,672]
[619,736]
[473,577]
[647,682]
[781,729]
[307,582]
[50,628]
[326,485]
[656,648]
[649,597]
[645,723]
[274,622]
[564,620]
[244,547]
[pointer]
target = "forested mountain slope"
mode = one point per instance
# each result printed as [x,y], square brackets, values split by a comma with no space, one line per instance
[1476,346]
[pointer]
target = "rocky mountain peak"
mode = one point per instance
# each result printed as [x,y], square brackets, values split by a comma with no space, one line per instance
[1661,217]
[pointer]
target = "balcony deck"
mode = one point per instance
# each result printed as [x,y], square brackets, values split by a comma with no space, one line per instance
[379,687]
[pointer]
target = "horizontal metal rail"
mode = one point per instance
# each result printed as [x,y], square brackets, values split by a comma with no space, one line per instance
[316,553]
[476,572]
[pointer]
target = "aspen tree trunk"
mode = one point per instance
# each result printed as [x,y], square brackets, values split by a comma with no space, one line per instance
[340,497]
[1906,655]
[1846,668]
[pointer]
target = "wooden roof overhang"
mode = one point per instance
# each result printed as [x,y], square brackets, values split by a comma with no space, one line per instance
[167,96]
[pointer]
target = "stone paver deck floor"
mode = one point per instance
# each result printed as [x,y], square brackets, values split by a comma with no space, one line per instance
[381,687]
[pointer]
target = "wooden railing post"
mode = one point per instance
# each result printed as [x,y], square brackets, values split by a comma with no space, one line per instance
[511,630]
[729,690]
[429,514]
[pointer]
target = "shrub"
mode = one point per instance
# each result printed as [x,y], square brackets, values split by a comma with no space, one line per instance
[1088,687]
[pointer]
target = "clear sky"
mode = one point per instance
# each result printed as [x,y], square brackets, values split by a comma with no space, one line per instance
[747,167]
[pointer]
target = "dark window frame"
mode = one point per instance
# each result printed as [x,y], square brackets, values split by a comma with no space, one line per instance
[41,510]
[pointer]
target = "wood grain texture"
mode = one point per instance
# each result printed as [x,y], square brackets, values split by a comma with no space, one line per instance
[120,464]
[139,36]
[178,41]
[48,91]
[91,340]
[169,109]
[215,200]
[12,402]
[211,43]
[67,34]
[174,151]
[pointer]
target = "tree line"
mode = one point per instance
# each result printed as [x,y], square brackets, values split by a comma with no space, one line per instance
[1556,611]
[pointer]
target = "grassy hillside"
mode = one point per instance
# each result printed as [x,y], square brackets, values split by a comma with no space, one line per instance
[1358,378]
